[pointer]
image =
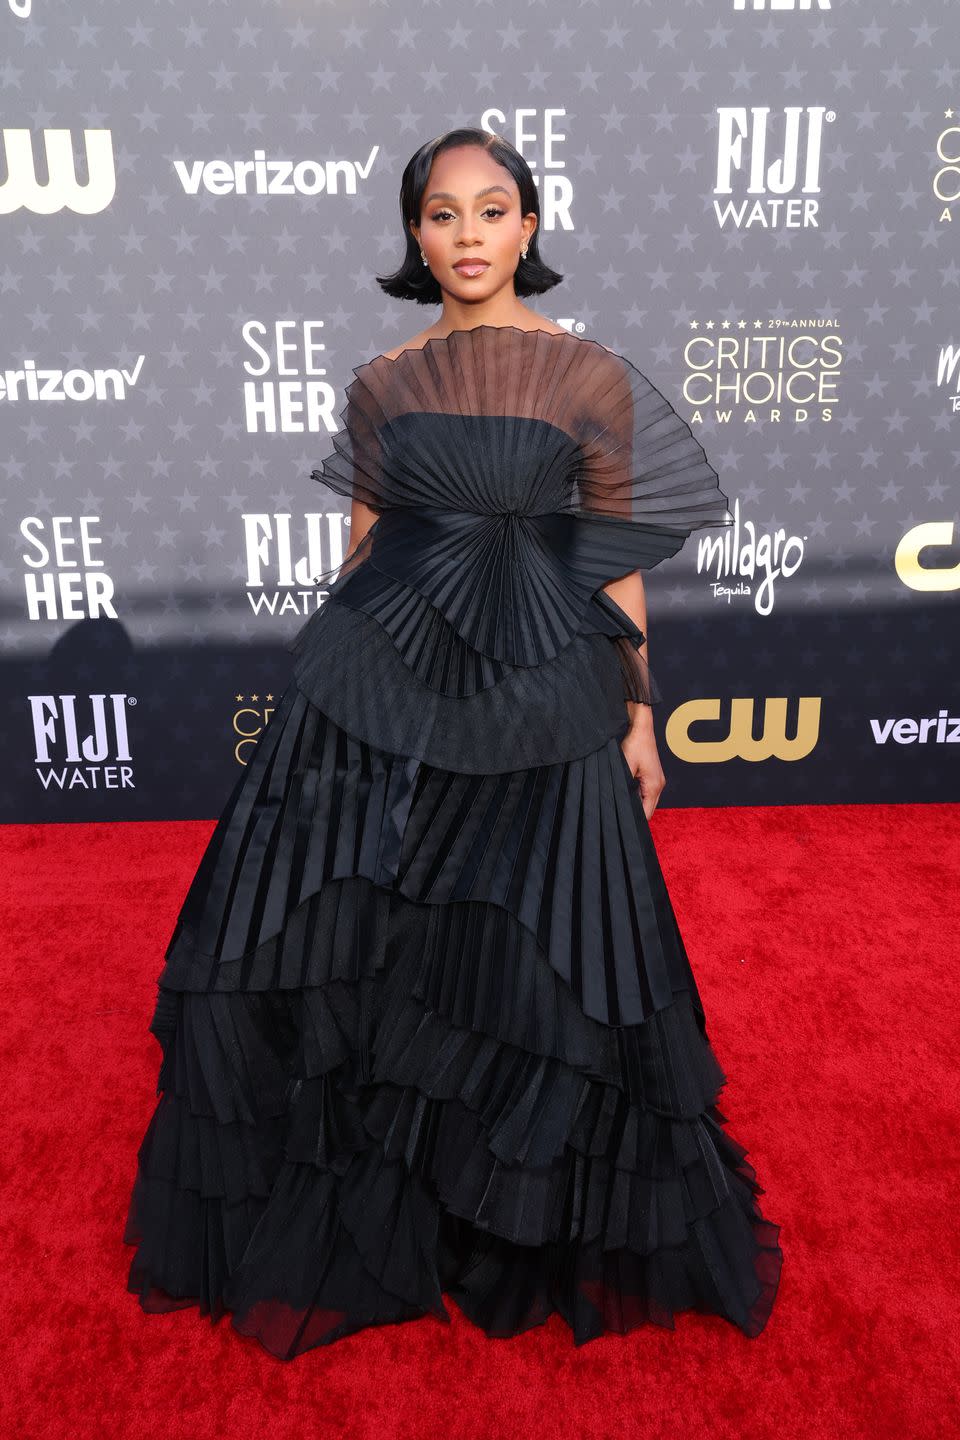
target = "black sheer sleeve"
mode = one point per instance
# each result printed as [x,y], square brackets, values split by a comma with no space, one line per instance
[354,469]
[641,465]
[642,469]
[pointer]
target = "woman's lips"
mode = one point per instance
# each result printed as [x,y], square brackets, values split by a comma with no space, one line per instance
[473,267]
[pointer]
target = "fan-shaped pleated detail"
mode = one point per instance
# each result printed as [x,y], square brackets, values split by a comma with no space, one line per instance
[500,580]
[514,473]
[350,667]
[496,420]
[437,656]
[515,587]
[423,637]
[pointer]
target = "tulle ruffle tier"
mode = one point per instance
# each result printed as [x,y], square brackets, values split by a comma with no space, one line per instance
[450,709]
[436,654]
[406,1053]
[396,1127]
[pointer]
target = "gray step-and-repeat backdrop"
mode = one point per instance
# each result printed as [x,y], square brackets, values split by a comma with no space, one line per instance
[754,202]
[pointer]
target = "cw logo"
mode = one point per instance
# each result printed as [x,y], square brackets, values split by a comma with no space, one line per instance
[906,561]
[22,190]
[740,743]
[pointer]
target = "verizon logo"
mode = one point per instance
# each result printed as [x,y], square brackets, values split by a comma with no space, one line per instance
[909,732]
[261,176]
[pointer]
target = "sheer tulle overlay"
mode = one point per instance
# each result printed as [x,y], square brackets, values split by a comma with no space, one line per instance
[428,1026]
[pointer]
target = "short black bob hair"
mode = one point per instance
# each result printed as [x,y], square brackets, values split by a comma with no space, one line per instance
[414,280]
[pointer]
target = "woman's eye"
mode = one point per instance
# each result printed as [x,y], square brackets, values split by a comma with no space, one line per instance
[490,210]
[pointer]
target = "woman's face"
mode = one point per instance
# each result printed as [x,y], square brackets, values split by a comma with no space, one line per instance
[471,209]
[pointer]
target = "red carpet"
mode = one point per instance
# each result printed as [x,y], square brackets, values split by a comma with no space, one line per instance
[824,943]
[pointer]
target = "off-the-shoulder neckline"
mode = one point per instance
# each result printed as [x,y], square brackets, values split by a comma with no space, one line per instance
[471,330]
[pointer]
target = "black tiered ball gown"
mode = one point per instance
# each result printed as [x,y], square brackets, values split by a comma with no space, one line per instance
[427,1021]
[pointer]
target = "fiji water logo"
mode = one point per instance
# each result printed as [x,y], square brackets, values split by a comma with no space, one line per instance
[62,190]
[774,166]
[739,555]
[82,743]
[287,566]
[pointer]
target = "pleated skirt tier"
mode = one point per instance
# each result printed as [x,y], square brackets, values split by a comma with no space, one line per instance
[428,1033]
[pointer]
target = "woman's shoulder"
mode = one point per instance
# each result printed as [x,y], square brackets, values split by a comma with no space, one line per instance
[417,342]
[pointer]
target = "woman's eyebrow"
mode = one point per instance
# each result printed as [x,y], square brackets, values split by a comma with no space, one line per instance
[445,194]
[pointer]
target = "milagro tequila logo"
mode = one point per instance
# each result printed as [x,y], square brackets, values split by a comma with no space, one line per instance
[82,742]
[283,567]
[948,375]
[738,556]
[775,161]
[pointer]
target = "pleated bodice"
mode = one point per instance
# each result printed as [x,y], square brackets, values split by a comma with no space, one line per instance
[513,473]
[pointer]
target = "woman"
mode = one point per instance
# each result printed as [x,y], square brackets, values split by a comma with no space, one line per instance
[427,1020]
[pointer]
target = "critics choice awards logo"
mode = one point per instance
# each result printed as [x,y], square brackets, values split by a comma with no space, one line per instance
[774,370]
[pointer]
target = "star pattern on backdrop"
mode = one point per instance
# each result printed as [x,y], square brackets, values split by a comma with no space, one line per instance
[171,469]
